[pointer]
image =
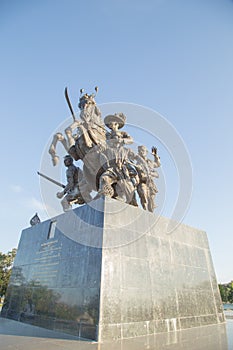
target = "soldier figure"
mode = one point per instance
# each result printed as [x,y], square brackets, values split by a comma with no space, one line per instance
[115,180]
[147,173]
[115,122]
[76,190]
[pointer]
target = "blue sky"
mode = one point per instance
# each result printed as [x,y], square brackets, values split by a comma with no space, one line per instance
[172,56]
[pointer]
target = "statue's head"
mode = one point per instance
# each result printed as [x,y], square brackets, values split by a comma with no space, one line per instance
[118,118]
[68,160]
[86,99]
[142,151]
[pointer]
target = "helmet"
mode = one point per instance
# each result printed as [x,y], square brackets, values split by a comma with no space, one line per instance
[68,158]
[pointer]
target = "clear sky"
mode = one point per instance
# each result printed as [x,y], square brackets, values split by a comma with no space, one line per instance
[172,56]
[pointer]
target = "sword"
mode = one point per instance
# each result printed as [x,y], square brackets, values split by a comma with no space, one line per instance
[69,104]
[51,180]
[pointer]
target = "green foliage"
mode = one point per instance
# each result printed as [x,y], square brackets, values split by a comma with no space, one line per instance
[226,291]
[6,262]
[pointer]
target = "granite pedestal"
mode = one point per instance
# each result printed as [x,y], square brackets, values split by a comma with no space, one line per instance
[108,271]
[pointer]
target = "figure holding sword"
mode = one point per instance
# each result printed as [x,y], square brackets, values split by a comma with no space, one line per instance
[77,190]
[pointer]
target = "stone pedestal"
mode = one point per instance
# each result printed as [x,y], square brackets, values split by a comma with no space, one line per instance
[108,270]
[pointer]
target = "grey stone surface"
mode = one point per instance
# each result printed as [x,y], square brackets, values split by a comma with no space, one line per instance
[55,282]
[20,336]
[112,272]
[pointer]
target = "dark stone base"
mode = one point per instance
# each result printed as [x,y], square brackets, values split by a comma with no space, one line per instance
[110,271]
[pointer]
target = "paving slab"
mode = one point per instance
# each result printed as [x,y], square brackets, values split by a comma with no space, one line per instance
[19,336]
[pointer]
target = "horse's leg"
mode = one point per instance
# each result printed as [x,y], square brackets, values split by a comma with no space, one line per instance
[69,133]
[52,149]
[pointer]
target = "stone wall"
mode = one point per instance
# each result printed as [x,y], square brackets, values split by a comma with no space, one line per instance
[108,270]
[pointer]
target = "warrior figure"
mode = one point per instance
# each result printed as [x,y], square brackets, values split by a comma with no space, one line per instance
[91,130]
[146,170]
[76,190]
[90,140]
[115,180]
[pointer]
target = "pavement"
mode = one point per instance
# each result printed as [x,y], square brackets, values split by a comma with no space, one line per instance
[16,335]
[20,336]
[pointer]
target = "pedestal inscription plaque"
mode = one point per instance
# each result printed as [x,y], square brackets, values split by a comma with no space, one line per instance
[110,271]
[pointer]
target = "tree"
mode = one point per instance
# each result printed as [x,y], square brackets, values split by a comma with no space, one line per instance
[6,263]
[230,292]
[223,293]
[226,291]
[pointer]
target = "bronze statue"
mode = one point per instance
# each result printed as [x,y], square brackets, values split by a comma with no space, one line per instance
[147,173]
[90,130]
[115,181]
[90,141]
[76,190]
[109,167]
